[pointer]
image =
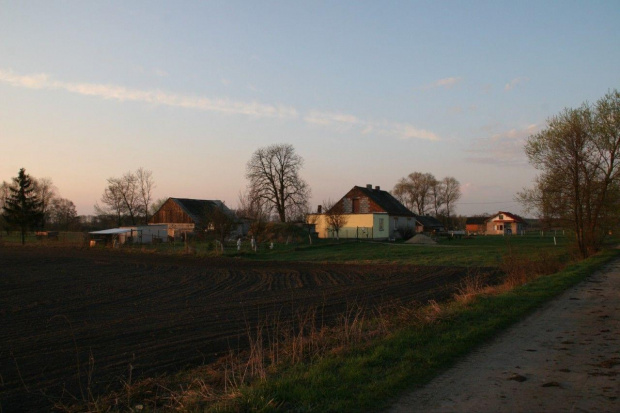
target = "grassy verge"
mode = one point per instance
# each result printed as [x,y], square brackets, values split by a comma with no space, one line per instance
[370,376]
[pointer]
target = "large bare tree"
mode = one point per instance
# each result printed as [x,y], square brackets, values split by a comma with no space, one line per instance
[578,156]
[274,180]
[145,191]
[46,192]
[415,191]
[128,196]
[451,193]
[63,214]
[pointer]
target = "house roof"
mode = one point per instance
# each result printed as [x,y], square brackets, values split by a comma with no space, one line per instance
[428,221]
[386,201]
[111,231]
[196,208]
[515,217]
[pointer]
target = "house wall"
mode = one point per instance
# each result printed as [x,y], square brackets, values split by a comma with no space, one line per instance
[375,226]
[400,222]
[501,228]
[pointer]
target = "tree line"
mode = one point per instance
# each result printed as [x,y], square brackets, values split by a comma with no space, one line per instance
[275,192]
[29,203]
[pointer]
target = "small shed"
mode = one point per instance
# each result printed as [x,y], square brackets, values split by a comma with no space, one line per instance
[110,236]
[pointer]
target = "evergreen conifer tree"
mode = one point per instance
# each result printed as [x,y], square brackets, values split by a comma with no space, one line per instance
[22,207]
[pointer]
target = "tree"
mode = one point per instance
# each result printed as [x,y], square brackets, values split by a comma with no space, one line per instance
[46,192]
[63,213]
[274,178]
[219,220]
[23,207]
[335,216]
[415,191]
[128,197]
[4,194]
[145,190]
[577,155]
[451,193]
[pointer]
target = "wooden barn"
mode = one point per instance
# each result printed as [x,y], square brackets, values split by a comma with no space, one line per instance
[183,215]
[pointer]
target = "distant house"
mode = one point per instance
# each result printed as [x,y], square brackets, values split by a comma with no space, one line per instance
[369,213]
[429,224]
[183,215]
[505,223]
[476,225]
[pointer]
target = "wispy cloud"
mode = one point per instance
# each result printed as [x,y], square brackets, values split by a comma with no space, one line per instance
[122,94]
[337,121]
[446,83]
[515,82]
[505,148]
[330,119]
[341,121]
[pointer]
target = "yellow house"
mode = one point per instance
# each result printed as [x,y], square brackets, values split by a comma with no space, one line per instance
[367,213]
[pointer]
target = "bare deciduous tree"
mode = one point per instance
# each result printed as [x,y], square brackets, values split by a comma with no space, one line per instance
[46,192]
[145,190]
[219,220]
[335,216]
[451,189]
[63,213]
[275,182]
[128,196]
[415,191]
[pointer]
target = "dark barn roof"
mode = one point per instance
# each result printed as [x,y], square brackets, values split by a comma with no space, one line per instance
[429,222]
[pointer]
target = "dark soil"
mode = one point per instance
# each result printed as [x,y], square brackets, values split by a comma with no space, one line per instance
[75,321]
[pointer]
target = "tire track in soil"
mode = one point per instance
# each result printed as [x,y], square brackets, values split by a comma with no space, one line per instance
[162,313]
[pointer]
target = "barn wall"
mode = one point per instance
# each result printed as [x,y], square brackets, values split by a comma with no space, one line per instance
[170,213]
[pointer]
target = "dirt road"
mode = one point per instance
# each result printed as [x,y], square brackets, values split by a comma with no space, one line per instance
[563,358]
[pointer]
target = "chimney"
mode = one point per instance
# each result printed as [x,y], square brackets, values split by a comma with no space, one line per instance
[377,188]
[369,186]
[319,209]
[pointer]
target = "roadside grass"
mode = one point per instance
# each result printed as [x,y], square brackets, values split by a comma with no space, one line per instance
[370,376]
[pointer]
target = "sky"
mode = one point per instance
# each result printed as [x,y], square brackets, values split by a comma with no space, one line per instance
[366,91]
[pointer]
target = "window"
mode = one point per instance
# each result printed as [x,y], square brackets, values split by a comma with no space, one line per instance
[380,224]
[501,216]
[356,205]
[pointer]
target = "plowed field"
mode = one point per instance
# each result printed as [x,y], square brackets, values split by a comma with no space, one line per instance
[67,315]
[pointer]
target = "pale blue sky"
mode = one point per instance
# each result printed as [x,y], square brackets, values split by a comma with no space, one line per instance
[367,92]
